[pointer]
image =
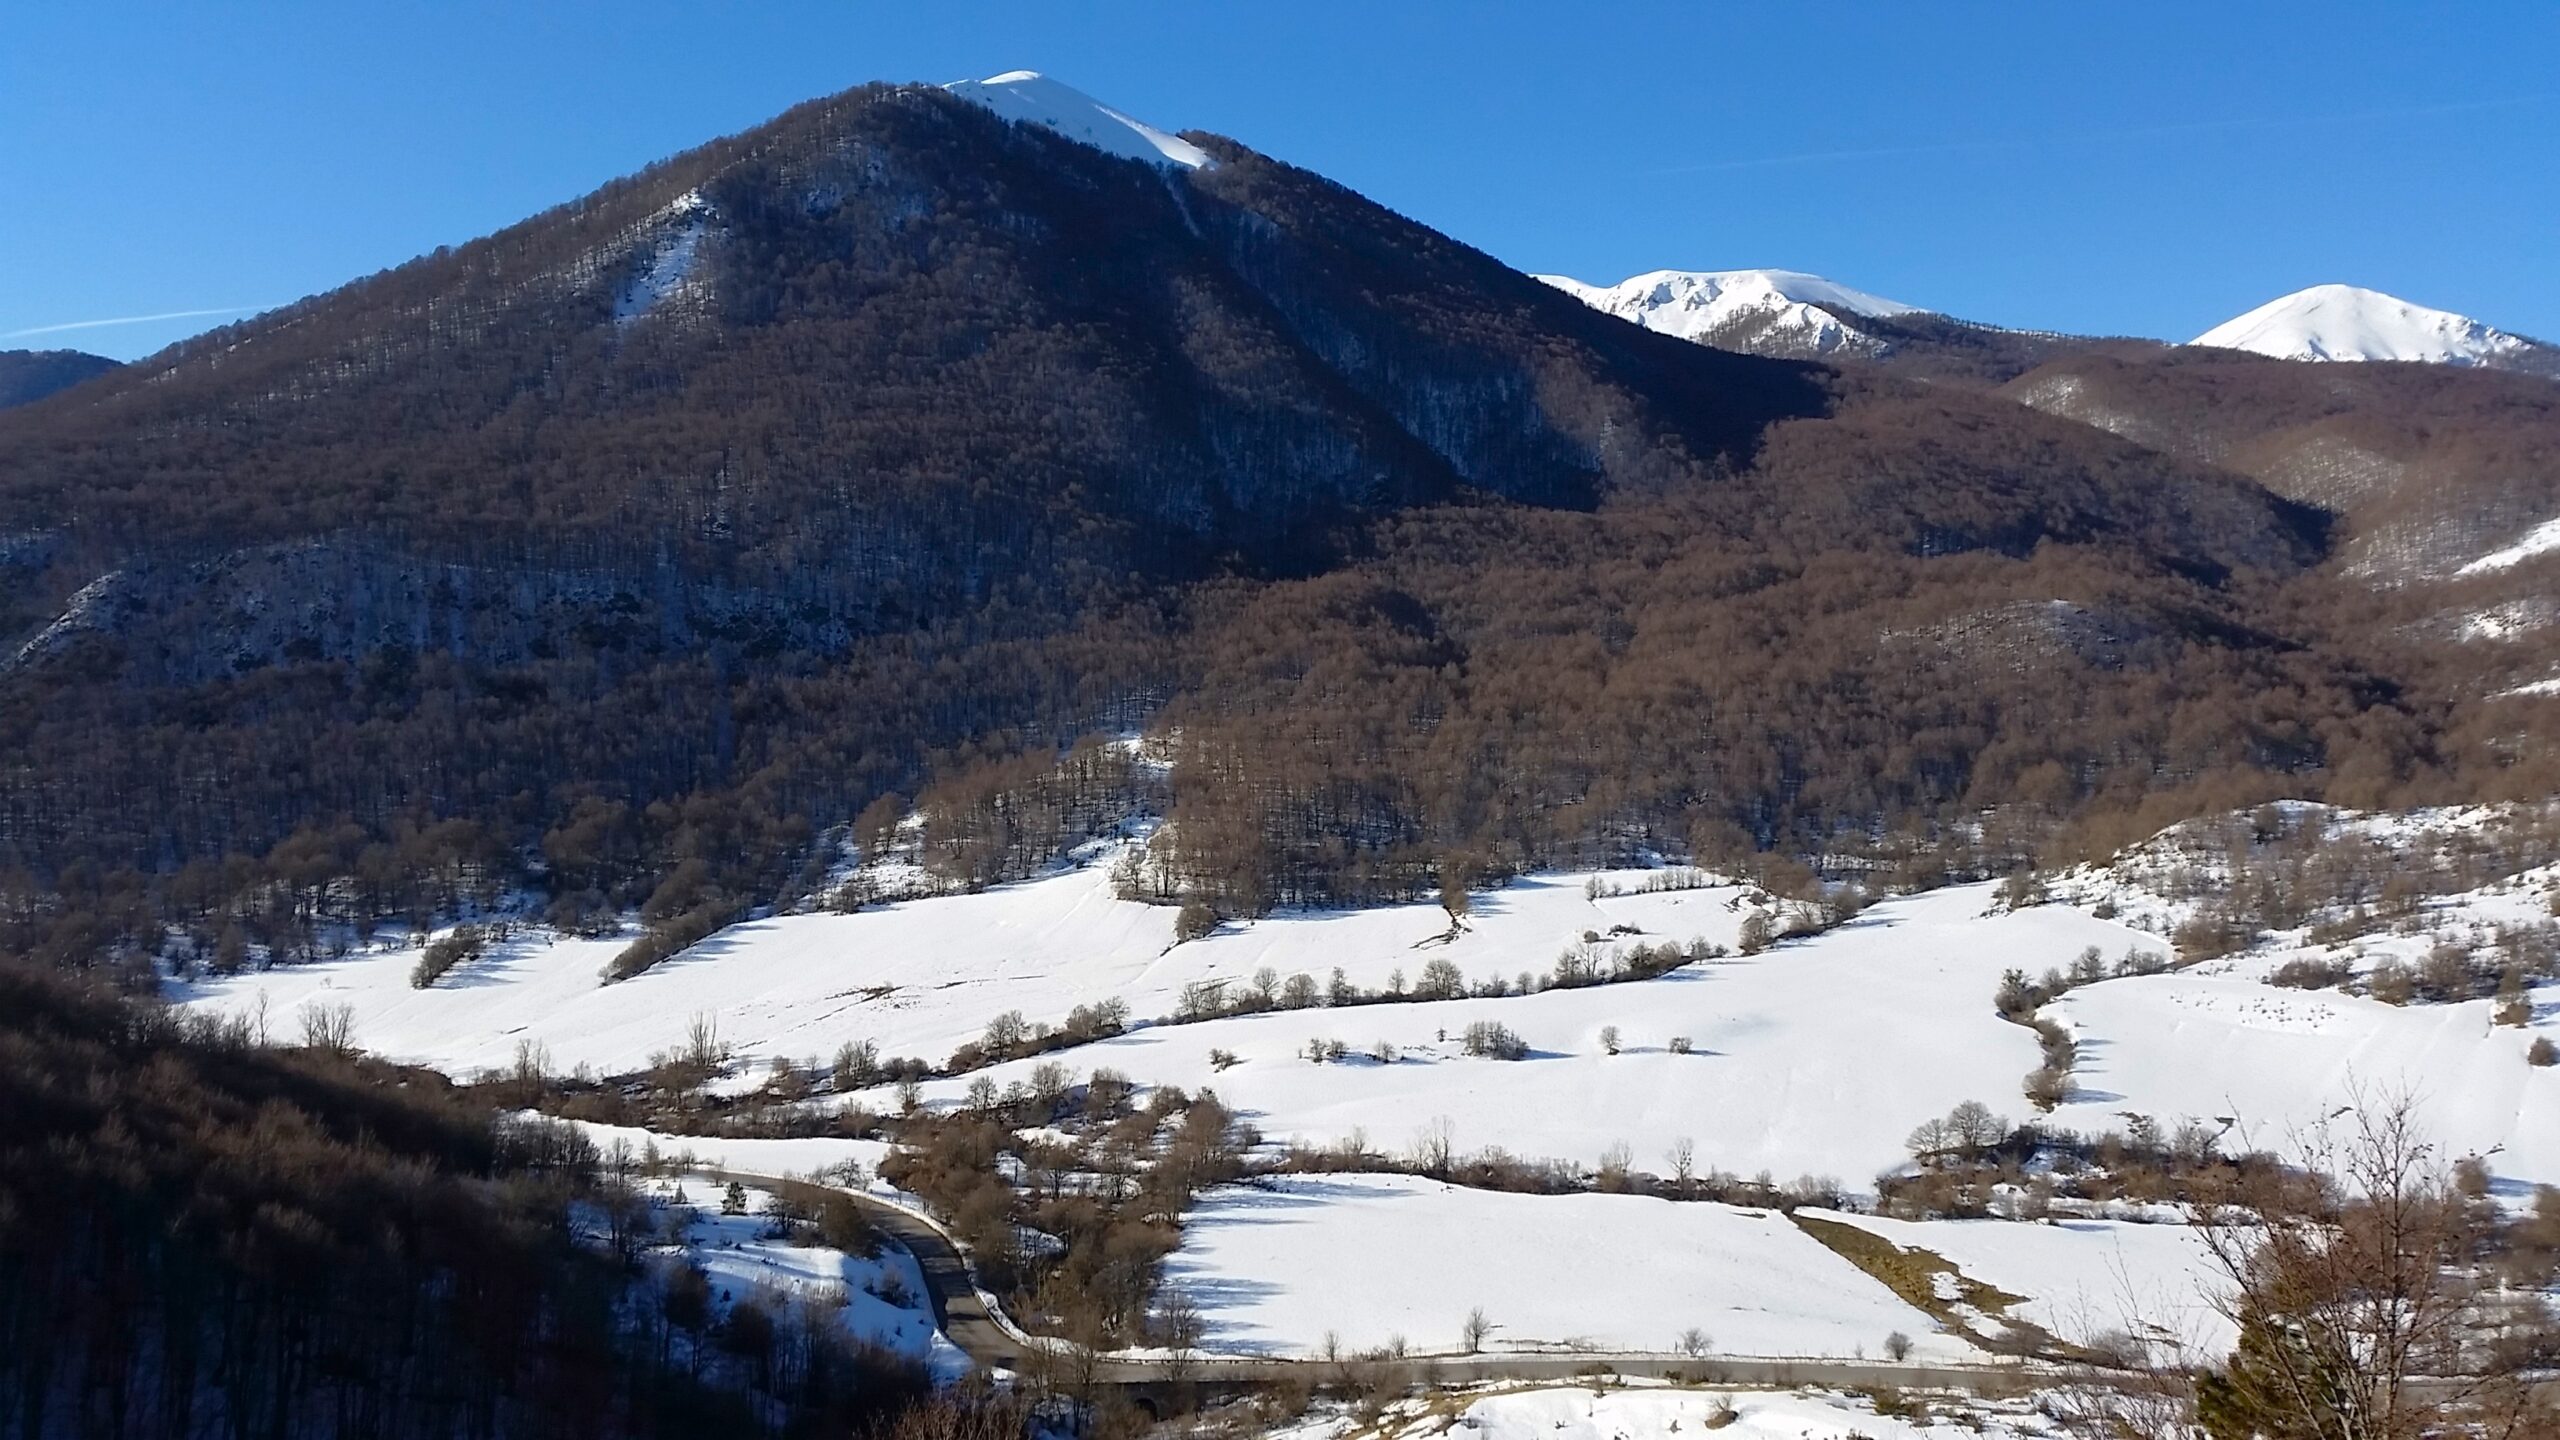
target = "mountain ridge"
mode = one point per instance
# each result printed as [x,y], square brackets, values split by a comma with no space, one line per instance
[892,446]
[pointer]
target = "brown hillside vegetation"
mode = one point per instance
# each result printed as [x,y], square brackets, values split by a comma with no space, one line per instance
[933,443]
[202,1235]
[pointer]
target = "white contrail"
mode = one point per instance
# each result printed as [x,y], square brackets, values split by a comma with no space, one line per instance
[129,320]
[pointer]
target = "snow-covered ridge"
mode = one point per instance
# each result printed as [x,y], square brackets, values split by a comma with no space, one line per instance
[1697,304]
[2346,322]
[1030,98]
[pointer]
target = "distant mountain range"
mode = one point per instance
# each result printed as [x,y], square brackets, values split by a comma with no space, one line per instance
[30,375]
[1793,315]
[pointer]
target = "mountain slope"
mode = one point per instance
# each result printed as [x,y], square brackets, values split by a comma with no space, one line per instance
[624,553]
[2432,467]
[2345,322]
[30,375]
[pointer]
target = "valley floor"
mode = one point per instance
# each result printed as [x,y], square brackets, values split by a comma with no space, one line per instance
[1815,1057]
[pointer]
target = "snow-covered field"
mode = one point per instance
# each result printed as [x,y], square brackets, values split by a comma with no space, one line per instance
[2082,1280]
[1662,1412]
[800,1158]
[1815,1057]
[2277,1061]
[921,977]
[1370,1258]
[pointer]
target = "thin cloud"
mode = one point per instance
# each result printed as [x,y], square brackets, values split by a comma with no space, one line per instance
[129,320]
[2139,132]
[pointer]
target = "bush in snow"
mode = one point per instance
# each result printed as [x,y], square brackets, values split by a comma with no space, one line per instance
[2312,974]
[2542,1052]
[1495,1040]
[1195,921]
[466,942]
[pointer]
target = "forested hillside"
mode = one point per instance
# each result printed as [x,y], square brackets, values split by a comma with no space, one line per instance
[30,375]
[200,1234]
[879,453]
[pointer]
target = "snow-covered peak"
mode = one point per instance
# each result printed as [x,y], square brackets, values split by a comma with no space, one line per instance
[2346,322]
[1031,98]
[1801,309]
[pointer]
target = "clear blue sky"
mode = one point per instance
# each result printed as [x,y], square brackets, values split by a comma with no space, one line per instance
[2143,169]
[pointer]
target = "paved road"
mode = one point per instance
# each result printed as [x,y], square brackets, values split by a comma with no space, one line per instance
[987,1338]
[958,1307]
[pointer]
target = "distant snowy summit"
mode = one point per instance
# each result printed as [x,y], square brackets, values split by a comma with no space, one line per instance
[2346,322]
[1031,98]
[1765,311]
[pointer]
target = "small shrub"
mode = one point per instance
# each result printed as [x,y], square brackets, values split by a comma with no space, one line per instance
[1679,1044]
[1897,1347]
[2392,984]
[1195,921]
[2542,1052]
[1756,933]
[467,942]
[2312,974]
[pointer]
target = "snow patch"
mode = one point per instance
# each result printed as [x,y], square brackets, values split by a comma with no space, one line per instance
[1028,97]
[672,253]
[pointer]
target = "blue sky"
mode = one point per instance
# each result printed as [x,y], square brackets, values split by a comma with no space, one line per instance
[2115,169]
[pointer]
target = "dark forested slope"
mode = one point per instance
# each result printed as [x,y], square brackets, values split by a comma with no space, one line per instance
[202,1235]
[30,375]
[888,442]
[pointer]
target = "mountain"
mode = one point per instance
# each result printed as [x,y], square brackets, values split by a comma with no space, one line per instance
[2345,322]
[31,375]
[1765,312]
[1785,314]
[630,554]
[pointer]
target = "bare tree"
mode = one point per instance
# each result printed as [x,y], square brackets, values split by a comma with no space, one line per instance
[2352,1296]
[1683,1160]
[1435,1147]
[329,1027]
[1474,1331]
[1179,1326]
[1614,1164]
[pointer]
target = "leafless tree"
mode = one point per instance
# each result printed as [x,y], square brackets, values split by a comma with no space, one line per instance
[1435,1146]
[1179,1328]
[329,1027]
